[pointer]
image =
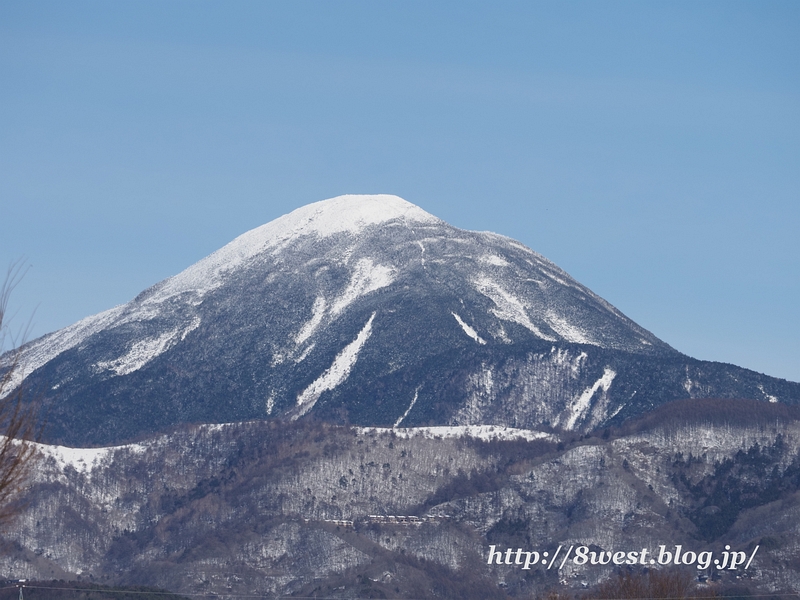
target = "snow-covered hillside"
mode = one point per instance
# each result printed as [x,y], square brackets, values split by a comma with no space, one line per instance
[267,508]
[368,310]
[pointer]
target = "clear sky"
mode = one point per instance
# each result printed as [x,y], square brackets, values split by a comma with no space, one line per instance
[650,149]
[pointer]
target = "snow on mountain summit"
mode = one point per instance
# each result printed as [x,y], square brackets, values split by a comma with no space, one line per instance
[349,214]
[365,309]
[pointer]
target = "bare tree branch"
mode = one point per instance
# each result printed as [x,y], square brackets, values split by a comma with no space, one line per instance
[19,422]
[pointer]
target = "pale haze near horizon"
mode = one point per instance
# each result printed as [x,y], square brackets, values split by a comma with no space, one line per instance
[649,149]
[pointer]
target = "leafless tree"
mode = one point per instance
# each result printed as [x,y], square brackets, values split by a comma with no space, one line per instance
[19,427]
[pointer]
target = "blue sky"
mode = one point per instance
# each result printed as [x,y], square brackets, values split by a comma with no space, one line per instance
[651,149]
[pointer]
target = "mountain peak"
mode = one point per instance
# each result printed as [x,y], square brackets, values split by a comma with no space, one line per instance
[350,213]
[370,310]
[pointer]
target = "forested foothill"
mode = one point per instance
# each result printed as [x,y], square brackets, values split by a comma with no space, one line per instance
[308,507]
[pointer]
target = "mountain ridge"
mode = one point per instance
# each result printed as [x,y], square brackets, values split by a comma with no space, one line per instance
[268,508]
[366,309]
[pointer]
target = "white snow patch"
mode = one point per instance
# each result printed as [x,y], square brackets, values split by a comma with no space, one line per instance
[367,277]
[484,432]
[769,397]
[493,259]
[408,410]
[485,379]
[557,279]
[518,245]
[317,312]
[216,426]
[564,358]
[580,406]
[143,351]
[139,354]
[616,412]
[83,460]
[687,384]
[337,372]
[507,306]
[194,325]
[538,282]
[567,330]
[469,330]
[576,366]
[304,354]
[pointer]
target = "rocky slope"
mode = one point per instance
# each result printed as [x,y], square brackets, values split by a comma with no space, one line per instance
[366,310]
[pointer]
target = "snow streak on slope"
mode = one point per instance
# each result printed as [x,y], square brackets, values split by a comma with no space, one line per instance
[507,306]
[336,373]
[143,351]
[568,331]
[317,312]
[581,405]
[468,330]
[408,410]
[367,277]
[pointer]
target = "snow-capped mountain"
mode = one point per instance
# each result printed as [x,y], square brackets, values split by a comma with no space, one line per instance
[367,310]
